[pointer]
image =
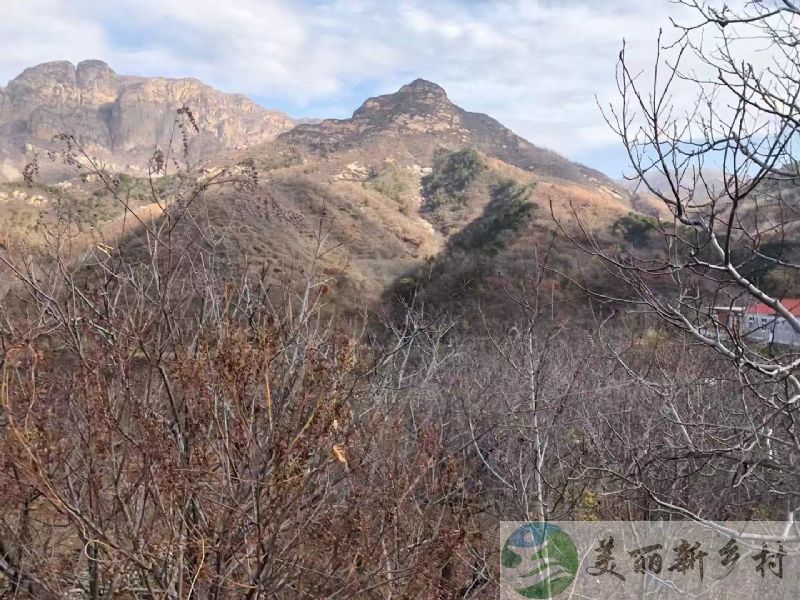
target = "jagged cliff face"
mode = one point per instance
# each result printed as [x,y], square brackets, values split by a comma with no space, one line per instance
[421,116]
[121,119]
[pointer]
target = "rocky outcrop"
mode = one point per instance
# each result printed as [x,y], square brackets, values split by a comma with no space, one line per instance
[123,119]
[421,115]
[420,107]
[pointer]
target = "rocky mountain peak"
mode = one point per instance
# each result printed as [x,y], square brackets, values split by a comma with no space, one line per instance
[61,71]
[420,106]
[122,119]
[45,81]
[423,88]
[419,117]
[98,83]
[89,71]
[59,84]
[418,98]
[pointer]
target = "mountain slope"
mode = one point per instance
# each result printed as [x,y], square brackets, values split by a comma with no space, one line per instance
[410,184]
[370,175]
[121,119]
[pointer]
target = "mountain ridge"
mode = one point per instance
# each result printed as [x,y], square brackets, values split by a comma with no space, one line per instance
[422,107]
[119,118]
[367,178]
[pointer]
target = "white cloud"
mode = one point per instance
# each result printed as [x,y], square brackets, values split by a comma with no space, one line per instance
[43,30]
[535,65]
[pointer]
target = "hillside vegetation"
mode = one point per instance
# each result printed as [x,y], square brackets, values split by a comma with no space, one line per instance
[327,365]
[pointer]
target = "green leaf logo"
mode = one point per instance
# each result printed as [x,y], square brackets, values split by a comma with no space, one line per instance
[539,560]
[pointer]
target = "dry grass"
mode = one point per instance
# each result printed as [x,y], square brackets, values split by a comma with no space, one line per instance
[367,202]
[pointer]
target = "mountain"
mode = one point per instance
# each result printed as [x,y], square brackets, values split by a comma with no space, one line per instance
[418,189]
[411,188]
[120,119]
[710,184]
[422,110]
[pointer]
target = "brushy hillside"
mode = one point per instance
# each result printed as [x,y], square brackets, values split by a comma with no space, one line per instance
[176,423]
[410,181]
[501,224]
[211,391]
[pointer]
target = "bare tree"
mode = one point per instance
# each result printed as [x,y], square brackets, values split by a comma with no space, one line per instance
[175,428]
[728,241]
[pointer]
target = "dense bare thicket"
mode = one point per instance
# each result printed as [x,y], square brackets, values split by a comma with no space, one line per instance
[172,429]
[726,171]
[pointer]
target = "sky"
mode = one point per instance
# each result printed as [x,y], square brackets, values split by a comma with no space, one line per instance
[538,66]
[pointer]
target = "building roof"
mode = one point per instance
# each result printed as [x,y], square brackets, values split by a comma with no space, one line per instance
[791,304]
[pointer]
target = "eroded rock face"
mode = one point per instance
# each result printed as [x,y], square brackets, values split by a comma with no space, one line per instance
[123,119]
[419,106]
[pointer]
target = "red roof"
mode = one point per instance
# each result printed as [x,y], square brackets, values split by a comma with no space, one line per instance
[791,304]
